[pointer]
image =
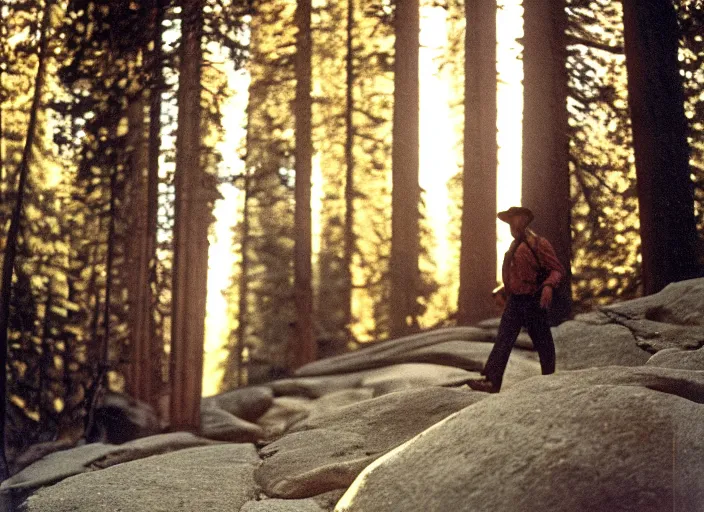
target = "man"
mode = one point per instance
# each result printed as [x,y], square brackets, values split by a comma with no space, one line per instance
[530,272]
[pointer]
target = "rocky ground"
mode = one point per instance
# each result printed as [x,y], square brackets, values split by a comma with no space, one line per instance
[393,427]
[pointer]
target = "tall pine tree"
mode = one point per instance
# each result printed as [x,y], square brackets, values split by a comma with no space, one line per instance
[665,189]
[545,178]
[478,235]
[405,198]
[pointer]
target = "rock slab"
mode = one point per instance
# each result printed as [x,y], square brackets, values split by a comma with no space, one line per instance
[213,478]
[616,439]
[328,450]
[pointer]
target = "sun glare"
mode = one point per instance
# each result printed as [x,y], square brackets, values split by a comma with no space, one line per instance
[438,139]
[439,144]
[509,22]
[220,255]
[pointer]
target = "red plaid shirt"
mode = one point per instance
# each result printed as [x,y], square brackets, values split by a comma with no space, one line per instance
[520,268]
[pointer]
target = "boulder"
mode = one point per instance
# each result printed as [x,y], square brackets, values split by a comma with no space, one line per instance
[614,438]
[672,318]
[248,403]
[676,358]
[654,336]
[585,345]
[382,380]
[680,303]
[315,387]
[341,399]
[120,418]
[17,462]
[285,411]
[289,410]
[331,401]
[413,375]
[593,317]
[321,503]
[223,426]
[472,355]
[59,465]
[380,354]
[148,446]
[468,355]
[277,505]
[327,451]
[212,478]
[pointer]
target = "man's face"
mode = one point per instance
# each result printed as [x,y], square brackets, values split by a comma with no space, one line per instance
[518,225]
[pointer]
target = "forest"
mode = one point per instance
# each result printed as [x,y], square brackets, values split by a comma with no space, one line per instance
[116,144]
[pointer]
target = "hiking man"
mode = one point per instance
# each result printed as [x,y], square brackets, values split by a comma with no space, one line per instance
[530,272]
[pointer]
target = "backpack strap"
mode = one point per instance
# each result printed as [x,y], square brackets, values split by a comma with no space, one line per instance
[535,254]
[543,272]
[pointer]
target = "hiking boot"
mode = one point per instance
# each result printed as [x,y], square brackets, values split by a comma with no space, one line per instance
[484,385]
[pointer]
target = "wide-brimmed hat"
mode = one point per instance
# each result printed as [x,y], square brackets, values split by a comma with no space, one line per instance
[515,211]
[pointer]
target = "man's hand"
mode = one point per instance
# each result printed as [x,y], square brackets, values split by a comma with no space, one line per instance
[546,297]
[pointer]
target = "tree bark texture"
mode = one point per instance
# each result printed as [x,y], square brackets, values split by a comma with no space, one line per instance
[146,348]
[3,174]
[140,253]
[405,198]
[656,101]
[243,317]
[94,291]
[190,234]
[2,143]
[478,234]
[153,385]
[349,172]
[45,360]
[545,179]
[109,265]
[8,263]
[305,350]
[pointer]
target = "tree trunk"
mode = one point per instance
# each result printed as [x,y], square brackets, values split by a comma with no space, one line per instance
[405,198]
[153,387]
[190,271]
[105,347]
[349,236]
[139,258]
[8,263]
[2,145]
[93,350]
[3,58]
[305,349]
[478,236]
[656,100]
[45,360]
[546,180]
[243,284]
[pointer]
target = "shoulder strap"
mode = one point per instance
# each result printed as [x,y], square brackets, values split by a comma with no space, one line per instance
[535,255]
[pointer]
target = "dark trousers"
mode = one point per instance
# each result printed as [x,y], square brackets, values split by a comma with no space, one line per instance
[521,311]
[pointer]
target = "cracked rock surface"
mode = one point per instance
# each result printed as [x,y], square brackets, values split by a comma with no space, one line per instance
[327,451]
[629,333]
[601,439]
[579,345]
[213,478]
